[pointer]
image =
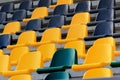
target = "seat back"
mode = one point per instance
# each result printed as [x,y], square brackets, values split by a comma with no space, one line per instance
[47,51]
[99,54]
[30,60]
[98,73]
[19,15]
[105,14]
[5,40]
[12,28]
[56,21]
[64,2]
[104,28]
[21,77]
[81,18]
[40,12]
[44,3]
[26,5]
[77,32]
[64,57]
[34,24]
[106,4]
[79,46]
[16,54]
[4,63]
[27,37]
[8,7]
[51,34]
[61,9]
[58,76]
[83,6]
[3,16]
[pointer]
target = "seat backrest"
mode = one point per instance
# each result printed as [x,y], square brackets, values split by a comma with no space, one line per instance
[64,57]
[44,3]
[40,12]
[30,60]
[64,2]
[98,73]
[19,15]
[83,6]
[51,34]
[106,40]
[106,4]
[77,32]
[27,37]
[26,4]
[61,9]
[104,28]
[12,28]
[47,51]
[57,76]
[56,21]
[99,54]
[81,18]
[16,54]
[79,46]
[105,14]
[4,63]
[21,77]
[5,40]
[3,16]
[34,24]
[8,7]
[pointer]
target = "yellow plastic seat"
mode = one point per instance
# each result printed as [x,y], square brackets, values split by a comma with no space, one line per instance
[79,46]
[98,73]
[50,35]
[1,52]
[16,54]
[26,64]
[12,28]
[4,63]
[38,13]
[97,57]
[59,2]
[108,40]
[81,18]
[25,39]
[47,51]
[76,32]
[21,77]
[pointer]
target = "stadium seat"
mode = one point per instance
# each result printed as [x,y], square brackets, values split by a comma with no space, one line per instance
[5,40]
[16,53]
[4,63]
[59,2]
[47,51]
[79,46]
[26,64]
[76,32]
[58,75]
[3,16]
[26,5]
[50,35]
[43,11]
[44,3]
[79,18]
[62,59]
[103,29]
[21,77]
[98,73]
[25,39]
[103,15]
[97,56]
[8,7]
[12,28]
